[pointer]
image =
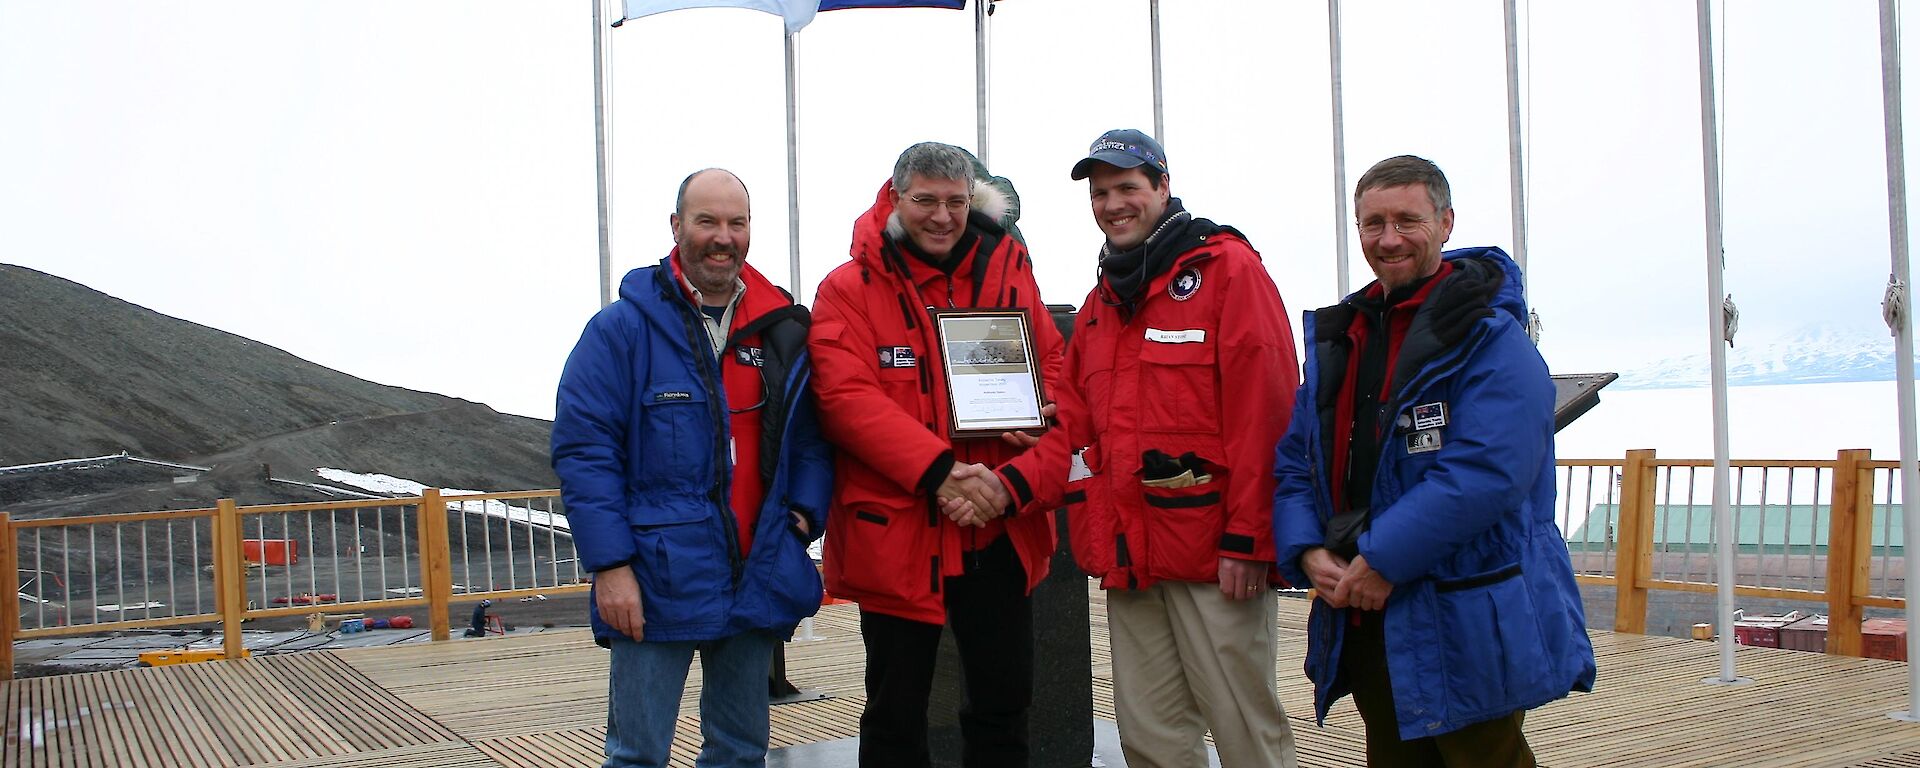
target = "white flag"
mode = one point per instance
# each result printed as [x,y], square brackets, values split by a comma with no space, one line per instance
[796,12]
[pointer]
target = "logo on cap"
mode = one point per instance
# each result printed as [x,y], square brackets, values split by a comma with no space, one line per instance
[1104,144]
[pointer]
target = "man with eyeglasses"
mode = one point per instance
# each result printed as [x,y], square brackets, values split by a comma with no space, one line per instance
[936,237]
[694,476]
[1177,386]
[1416,491]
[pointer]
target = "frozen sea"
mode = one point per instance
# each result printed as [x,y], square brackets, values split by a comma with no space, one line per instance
[1787,421]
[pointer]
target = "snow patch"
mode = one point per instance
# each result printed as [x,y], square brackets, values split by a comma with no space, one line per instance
[379,483]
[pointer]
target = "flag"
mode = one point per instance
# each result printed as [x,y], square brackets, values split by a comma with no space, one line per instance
[796,12]
[841,5]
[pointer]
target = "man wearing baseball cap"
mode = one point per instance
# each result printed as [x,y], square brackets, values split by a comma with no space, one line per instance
[1178,383]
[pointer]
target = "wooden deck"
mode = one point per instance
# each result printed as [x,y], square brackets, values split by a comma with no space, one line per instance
[539,701]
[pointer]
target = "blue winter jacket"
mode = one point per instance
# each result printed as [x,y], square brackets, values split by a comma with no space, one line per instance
[1484,618]
[640,443]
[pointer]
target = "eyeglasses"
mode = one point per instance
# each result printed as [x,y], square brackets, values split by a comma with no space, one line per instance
[1407,226]
[927,204]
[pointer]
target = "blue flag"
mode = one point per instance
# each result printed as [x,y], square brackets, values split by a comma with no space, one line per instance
[841,5]
[796,12]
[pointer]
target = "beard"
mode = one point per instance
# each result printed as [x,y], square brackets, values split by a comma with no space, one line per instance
[708,277]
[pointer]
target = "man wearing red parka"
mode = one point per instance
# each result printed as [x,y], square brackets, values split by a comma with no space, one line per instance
[1178,385]
[935,238]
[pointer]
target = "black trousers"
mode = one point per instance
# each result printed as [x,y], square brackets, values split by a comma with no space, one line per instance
[992,620]
[1496,743]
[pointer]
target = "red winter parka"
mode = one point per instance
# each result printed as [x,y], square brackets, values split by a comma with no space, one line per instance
[883,403]
[1205,364]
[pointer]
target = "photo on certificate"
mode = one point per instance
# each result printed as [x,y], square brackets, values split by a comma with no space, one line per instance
[993,381]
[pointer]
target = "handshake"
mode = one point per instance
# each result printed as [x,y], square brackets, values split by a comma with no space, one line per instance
[972,495]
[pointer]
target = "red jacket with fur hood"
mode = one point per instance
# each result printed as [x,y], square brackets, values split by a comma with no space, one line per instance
[883,403]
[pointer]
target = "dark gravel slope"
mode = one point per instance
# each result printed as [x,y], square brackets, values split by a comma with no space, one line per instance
[86,374]
[83,373]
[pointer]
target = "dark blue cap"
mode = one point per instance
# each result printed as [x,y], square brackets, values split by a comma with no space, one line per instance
[1122,148]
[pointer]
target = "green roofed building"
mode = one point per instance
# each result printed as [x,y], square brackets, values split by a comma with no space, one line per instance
[1769,528]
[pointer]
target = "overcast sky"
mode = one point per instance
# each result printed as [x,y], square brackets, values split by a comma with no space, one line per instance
[405,191]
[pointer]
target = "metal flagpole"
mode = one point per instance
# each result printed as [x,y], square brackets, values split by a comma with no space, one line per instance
[600,153]
[980,74]
[1900,317]
[1516,181]
[793,167]
[1159,112]
[1716,322]
[1340,191]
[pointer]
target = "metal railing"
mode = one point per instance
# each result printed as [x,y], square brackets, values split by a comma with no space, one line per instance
[230,564]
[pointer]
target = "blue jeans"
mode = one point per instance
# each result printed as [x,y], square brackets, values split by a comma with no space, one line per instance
[643,700]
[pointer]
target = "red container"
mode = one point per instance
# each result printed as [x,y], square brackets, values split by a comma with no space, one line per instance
[1762,631]
[1884,639]
[270,551]
[1809,634]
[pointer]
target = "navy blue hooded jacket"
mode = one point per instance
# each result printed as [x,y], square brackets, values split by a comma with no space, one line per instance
[1484,618]
[640,443]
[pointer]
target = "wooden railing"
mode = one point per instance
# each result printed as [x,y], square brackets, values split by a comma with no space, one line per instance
[1816,531]
[1809,532]
[230,564]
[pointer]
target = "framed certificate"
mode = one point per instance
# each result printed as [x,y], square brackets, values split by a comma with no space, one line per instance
[993,380]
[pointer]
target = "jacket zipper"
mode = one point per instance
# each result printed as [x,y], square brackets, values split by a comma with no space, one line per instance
[716,410]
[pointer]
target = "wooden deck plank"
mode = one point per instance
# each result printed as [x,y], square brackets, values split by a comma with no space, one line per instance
[540,700]
[440,755]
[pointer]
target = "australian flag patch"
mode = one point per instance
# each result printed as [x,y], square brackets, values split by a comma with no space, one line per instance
[897,357]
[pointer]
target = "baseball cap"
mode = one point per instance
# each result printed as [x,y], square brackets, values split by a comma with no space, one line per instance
[1122,148]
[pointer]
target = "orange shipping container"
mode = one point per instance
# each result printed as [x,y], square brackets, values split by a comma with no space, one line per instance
[270,551]
[1884,639]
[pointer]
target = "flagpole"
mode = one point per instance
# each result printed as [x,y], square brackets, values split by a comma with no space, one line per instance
[1340,223]
[1901,318]
[600,153]
[980,75]
[793,167]
[1515,159]
[1159,112]
[1717,354]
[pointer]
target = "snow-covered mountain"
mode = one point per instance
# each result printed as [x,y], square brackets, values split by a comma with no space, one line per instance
[1810,355]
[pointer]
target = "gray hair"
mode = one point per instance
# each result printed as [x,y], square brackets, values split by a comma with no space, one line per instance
[1401,171]
[680,197]
[931,160]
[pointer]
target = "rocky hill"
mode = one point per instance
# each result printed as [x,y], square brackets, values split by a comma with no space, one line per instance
[86,374]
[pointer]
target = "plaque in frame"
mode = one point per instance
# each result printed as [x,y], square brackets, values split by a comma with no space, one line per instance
[992,374]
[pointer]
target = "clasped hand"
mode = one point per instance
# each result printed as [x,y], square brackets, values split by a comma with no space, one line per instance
[972,495]
[1345,583]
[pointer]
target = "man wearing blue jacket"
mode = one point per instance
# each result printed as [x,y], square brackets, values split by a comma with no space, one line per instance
[694,477]
[1416,490]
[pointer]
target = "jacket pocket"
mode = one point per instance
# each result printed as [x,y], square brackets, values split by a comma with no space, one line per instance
[1491,643]
[902,385]
[781,586]
[681,566]
[1179,391]
[880,551]
[1183,531]
[1090,538]
[677,435]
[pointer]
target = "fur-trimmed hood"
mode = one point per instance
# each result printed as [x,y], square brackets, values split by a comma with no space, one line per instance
[987,199]
[991,206]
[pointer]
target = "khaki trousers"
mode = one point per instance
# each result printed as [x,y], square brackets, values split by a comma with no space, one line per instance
[1187,661]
